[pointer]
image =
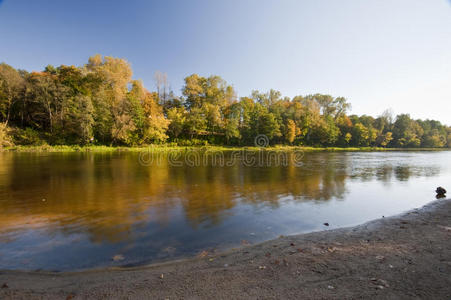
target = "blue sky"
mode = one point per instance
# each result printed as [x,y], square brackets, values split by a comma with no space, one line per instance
[378,54]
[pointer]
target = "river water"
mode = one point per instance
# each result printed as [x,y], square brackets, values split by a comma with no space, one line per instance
[72,211]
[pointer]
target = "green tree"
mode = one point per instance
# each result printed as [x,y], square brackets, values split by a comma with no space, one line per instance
[407,132]
[266,99]
[11,89]
[196,122]
[78,122]
[48,98]
[232,122]
[264,122]
[100,101]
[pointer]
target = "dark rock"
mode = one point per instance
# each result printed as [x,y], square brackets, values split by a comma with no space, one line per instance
[440,191]
[326,224]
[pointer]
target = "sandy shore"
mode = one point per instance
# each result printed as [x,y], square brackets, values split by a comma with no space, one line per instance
[401,257]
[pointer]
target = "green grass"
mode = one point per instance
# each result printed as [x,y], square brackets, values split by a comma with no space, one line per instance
[167,148]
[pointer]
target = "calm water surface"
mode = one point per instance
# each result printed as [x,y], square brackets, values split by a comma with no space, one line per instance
[66,211]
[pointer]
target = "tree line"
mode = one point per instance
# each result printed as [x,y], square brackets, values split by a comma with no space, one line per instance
[100,103]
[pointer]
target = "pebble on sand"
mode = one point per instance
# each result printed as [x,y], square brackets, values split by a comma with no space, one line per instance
[118,257]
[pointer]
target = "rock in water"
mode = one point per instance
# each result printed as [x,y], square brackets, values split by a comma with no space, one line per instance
[440,191]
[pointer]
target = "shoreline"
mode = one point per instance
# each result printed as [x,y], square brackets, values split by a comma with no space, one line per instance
[403,256]
[166,148]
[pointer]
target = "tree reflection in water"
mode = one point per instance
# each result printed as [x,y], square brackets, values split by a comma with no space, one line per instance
[112,198]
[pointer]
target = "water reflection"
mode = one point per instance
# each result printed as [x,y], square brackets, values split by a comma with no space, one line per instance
[110,199]
[109,192]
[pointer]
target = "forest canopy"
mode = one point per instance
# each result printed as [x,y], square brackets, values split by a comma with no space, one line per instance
[99,103]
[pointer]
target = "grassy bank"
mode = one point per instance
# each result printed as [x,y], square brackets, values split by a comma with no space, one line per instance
[166,148]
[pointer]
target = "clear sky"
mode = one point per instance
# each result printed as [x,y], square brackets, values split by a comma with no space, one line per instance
[378,54]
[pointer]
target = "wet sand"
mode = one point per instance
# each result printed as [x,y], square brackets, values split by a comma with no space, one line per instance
[401,257]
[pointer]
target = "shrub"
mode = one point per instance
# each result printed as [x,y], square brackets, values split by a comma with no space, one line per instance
[28,137]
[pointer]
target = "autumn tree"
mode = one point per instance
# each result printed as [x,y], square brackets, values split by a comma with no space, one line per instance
[156,124]
[291,131]
[101,103]
[177,117]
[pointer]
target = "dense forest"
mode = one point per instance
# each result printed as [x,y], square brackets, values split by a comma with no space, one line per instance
[100,103]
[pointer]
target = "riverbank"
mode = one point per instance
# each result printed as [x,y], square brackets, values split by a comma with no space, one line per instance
[167,148]
[401,257]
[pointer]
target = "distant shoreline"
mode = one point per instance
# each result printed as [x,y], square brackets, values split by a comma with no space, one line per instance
[164,148]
